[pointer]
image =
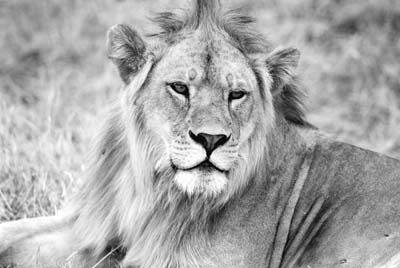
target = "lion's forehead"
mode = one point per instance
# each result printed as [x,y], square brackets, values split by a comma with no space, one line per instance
[215,61]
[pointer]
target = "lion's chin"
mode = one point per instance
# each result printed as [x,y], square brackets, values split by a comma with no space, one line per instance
[198,181]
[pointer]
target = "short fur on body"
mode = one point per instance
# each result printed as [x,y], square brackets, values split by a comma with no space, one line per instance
[277,194]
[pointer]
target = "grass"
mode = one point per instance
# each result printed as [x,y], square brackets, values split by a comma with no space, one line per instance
[55,81]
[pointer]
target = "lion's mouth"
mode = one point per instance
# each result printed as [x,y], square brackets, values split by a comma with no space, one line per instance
[205,166]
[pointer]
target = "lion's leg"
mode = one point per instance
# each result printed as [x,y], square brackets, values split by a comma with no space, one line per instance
[38,242]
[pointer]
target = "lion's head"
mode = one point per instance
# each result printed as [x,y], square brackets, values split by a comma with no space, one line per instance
[203,88]
[201,103]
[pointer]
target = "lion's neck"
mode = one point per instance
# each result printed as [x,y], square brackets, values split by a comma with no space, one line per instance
[284,141]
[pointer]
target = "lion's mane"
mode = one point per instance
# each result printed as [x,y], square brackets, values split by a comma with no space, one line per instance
[130,201]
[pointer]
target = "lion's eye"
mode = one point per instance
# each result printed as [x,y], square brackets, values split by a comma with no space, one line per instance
[235,95]
[180,88]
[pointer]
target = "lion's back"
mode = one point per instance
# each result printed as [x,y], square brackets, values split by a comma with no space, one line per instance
[346,168]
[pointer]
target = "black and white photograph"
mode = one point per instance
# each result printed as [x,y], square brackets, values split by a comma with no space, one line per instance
[199,134]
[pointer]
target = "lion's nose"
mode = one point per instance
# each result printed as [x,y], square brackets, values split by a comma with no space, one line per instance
[208,141]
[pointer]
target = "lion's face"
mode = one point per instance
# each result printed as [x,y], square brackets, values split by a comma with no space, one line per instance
[209,106]
[203,101]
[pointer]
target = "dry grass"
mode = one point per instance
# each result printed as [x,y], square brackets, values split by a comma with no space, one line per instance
[55,81]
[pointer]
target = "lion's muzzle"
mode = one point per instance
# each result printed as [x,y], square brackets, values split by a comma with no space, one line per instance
[203,161]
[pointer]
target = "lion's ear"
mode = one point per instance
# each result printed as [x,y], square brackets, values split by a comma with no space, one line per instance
[126,49]
[281,64]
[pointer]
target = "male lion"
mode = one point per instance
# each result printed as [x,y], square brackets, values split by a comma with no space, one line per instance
[208,161]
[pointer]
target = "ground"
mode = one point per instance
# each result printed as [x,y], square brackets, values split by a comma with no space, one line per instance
[55,81]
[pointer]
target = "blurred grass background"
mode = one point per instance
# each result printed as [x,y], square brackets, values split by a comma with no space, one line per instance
[55,81]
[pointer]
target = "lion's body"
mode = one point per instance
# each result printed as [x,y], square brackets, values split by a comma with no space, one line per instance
[207,161]
[325,211]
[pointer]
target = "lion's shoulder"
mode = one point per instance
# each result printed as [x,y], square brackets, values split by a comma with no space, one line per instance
[348,204]
[341,171]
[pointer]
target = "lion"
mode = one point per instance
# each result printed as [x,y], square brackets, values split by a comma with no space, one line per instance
[207,160]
